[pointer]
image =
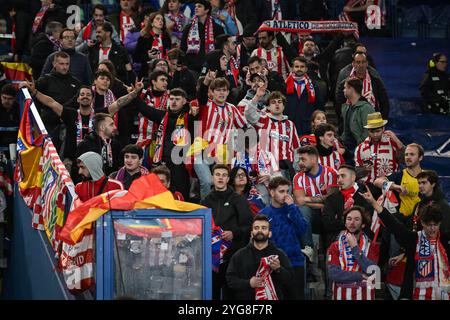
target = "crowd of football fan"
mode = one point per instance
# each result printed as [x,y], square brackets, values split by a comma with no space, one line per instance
[234,119]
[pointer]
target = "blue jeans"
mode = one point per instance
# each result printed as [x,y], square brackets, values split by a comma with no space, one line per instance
[204,177]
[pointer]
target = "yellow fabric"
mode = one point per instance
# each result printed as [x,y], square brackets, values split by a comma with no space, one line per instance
[221,153]
[408,201]
[197,146]
[32,175]
[19,66]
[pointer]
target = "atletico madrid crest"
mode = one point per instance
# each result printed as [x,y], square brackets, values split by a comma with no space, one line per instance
[425,269]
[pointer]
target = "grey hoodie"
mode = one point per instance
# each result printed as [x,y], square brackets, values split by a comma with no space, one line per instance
[94,163]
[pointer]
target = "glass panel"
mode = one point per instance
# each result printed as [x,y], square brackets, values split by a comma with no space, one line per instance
[158,259]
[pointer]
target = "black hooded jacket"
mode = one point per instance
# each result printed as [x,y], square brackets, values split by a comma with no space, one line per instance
[232,213]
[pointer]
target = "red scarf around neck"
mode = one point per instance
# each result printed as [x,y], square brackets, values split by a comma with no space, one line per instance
[290,86]
[348,196]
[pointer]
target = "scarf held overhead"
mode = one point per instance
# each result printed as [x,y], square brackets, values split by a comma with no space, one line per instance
[308,26]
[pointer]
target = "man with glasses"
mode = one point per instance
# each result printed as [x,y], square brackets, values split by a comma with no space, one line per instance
[79,63]
[232,214]
[373,90]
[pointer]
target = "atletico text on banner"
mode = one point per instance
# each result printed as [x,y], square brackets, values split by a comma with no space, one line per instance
[295,26]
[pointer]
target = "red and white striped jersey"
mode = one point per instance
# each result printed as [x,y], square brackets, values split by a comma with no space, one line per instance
[276,60]
[333,160]
[381,154]
[220,122]
[431,293]
[316,185]
[146,127]
[277,136]
[352,291]
[126,24]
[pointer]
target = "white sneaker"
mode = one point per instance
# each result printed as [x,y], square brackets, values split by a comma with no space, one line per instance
[308,252]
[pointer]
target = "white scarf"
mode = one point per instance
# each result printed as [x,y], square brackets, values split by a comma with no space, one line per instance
[367,91]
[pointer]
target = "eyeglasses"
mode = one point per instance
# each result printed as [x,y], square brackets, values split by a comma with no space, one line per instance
[241,175]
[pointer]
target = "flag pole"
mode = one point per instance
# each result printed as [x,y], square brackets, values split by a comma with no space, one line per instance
[35,112]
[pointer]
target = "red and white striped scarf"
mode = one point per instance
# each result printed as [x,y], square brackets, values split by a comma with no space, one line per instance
[158,44]
[81,127]
[126,23]
[387,200]
[77,263]
[230,6]
[194,36]
[348,262]
[108,100]
[107,154]
[344,16]
[367,91]
[103,53]
[39,17]
[348,196]
[296,84]
[267,292]
[238,54]
[432,276]
[233,70]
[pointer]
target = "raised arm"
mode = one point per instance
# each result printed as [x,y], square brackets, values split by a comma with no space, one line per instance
[403,236]
[44,99]
[125,100]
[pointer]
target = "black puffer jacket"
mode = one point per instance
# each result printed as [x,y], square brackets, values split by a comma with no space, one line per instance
[232,213]
[435,91]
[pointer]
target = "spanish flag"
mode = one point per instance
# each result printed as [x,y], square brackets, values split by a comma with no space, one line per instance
[28,172]
[145,192]
[17,71]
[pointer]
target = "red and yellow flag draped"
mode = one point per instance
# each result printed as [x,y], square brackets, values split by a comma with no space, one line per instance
[28,172]
[145,192]
[16,71]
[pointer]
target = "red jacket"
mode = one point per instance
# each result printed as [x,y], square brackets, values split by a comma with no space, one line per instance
[88,189]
